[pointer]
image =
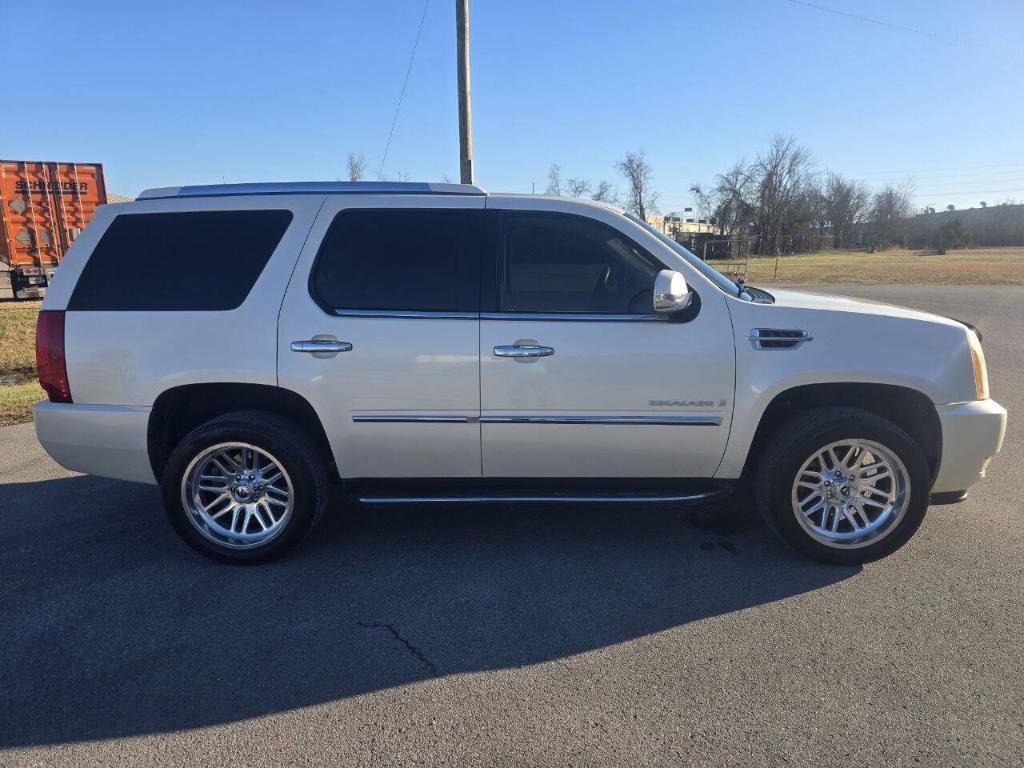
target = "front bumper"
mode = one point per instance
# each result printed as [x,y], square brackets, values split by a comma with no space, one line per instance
[103,440]
[972,433]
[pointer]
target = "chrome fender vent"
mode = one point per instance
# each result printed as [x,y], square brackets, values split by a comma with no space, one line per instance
[777,338]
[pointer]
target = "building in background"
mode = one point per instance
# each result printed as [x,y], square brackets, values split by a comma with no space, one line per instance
[680,225]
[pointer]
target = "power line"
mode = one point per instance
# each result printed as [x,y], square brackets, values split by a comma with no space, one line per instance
[985,177]
[971,186]
[951,192]
[879,22]
[405,82]
[1008,167]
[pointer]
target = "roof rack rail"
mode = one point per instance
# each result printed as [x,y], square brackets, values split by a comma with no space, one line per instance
[314,188]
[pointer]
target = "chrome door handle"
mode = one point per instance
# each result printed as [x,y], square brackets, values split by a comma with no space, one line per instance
[523,350]
[321,345]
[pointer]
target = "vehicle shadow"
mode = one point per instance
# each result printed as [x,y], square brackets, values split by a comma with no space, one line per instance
[113,627]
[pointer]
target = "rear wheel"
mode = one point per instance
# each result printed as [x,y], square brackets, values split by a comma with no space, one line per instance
[245,487]
[843,485]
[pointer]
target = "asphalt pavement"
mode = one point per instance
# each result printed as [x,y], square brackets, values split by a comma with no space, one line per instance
[516,636]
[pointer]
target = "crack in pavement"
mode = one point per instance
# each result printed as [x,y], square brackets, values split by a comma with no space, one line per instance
[408,646]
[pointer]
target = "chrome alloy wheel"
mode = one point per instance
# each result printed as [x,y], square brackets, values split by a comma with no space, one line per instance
[851,493]
[237,495]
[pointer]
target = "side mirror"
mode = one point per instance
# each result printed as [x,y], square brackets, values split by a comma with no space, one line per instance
[671,294]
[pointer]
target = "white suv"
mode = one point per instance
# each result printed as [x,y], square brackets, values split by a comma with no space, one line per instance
[246,345]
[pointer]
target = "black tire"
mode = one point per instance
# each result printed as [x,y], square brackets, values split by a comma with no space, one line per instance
[288,444]
[803,435]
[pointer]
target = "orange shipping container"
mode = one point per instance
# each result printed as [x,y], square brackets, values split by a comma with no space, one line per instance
[43,208]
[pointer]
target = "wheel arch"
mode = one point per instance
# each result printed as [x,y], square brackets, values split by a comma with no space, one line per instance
[179,410]
[910,409]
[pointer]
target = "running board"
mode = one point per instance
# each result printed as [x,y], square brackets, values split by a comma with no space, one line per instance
[554,498]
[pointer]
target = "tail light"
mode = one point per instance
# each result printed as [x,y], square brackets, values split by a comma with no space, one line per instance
[50,364]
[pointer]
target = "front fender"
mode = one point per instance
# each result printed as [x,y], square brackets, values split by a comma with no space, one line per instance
[845,348]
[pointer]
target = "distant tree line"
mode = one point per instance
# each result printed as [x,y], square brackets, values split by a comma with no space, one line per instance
[782,203]
[639,197]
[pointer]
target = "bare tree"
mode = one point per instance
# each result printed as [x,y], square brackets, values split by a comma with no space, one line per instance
[706,202]
[577,187]
[781,177]
[356,166]
[846,205]
[605,193]
[890,206]
[641,200]
[728,205]
[554,180]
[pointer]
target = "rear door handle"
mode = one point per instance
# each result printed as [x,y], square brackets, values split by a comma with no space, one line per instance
[523,350]
[321,345]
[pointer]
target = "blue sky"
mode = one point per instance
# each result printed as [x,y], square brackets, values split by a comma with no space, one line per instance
[196,92]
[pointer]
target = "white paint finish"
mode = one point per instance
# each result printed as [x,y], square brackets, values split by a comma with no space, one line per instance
[792,299]
[129,358]
[414,366]
[431,367]
[971,434]
[853,342]
[608,369]
[104,440]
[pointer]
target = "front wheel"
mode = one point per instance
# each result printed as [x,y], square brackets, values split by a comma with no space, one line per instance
[843,485]
[245,487]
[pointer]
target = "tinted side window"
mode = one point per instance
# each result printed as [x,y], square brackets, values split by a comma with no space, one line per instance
[564,263]
[400,259]
[203,260]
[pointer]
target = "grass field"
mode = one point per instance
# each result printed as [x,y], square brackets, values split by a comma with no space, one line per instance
[976,266]
[18,387]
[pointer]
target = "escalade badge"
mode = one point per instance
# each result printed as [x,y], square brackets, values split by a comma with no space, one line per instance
[686,403]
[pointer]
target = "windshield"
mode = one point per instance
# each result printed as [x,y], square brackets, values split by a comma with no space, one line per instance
[703,267]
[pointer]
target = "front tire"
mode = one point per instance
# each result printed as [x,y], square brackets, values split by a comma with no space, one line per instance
[842,485]
[245,487]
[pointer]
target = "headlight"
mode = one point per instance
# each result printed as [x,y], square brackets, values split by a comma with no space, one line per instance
[978,361]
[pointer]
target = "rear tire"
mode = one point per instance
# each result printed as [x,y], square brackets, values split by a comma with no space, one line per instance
[842,485]
[245,488]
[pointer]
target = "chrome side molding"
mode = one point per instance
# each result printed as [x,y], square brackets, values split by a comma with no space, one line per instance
[402,418]
[407,313]
[688,419]
[574,317]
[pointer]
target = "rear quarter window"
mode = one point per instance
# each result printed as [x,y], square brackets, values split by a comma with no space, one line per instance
[195,261]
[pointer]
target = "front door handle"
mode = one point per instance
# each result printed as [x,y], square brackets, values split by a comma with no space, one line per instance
[523,350]
[321,345]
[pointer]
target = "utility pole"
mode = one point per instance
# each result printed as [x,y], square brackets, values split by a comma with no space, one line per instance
[465,120]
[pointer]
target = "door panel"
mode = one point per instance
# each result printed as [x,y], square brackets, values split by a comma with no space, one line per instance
[614,399]
[578,377]
[404,401]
